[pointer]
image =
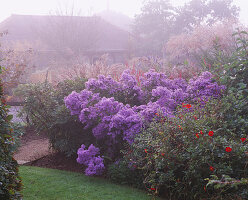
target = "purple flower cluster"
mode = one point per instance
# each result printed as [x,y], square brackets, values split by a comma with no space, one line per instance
[132,93]
[105,86]
[149,112]
[125,91]
[75,102]
[110,117]
[158,81]
[126,122]
[99,116]
[204,87]
[95,165]
[115,110]
[168,98]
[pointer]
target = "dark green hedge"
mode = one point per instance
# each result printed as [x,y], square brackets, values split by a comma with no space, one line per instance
[10,182]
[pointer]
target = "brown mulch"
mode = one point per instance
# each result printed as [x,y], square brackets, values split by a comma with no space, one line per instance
[33,146]
[57,161]
[34,151]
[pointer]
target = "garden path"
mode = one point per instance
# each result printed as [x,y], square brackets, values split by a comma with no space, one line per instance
[32,147]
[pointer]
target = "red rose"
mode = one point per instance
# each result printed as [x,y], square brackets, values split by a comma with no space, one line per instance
[188,106]
[243,139]
[211,168]
[146,150]
[162,154]
[197,135]
[228,149]
[152,188]
[210,133]
[201,132]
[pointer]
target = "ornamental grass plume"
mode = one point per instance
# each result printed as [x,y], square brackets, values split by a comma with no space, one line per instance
[201,39]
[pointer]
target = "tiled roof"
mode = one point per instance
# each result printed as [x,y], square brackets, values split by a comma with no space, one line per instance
[34,28]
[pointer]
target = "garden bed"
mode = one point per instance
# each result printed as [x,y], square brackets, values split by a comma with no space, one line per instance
[32,146]
[57,161]
[34,151]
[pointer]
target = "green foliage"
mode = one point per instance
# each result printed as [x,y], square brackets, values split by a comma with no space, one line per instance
[123,173]
[18,131]
[44,105]
[232,71]
[10,182]
[228,185]
[177,154]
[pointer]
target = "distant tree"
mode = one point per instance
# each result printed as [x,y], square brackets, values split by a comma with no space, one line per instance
[153,25]
[159,20]
[196,12]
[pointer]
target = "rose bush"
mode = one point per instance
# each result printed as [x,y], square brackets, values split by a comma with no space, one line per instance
[178,153]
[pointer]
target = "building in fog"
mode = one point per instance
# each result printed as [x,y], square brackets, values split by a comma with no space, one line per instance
[64,39]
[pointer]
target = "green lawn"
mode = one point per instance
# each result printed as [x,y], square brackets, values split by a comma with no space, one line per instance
[46,184]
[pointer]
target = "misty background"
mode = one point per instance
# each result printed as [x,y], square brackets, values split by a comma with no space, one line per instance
[90,7]
[49,35]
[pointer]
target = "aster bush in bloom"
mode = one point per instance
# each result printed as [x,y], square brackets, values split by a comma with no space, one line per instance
[95,165]
[168,98]
[126,122]
[117,111]
[99,112]
[105,86]
[133,95]
[125,91]
[75,102]
[204,86]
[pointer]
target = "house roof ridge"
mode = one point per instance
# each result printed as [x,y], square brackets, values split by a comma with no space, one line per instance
[57,16]
[107,36]
[29,15]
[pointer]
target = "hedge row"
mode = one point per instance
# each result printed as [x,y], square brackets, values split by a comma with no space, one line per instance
[10,182]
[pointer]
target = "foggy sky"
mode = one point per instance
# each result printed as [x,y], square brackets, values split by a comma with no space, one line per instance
[88,7]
